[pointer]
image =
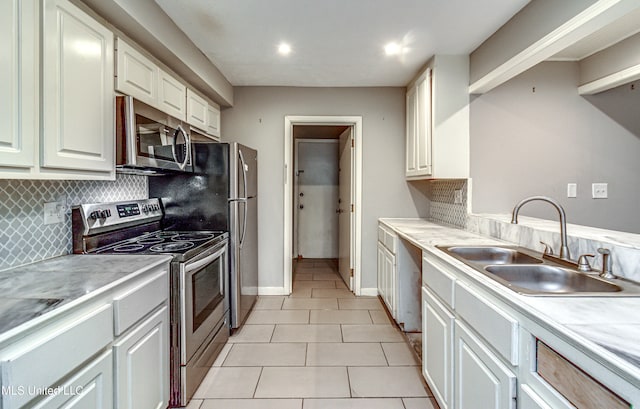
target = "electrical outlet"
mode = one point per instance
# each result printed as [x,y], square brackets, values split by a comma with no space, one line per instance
[457,196]
[599,191]
[572,189]
[54,212]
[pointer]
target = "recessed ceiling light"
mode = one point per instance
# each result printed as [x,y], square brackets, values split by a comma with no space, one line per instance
[392,49]
[284,48]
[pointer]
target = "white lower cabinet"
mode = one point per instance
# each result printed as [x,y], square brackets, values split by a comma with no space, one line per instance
[386,278]
[481,380]
[76,359]
[437,348]
[142,362]
[92,387]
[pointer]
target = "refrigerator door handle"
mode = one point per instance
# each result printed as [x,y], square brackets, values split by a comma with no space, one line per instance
[244,180]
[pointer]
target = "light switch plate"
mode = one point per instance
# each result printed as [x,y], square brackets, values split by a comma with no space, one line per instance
[572,189]
[599,191]
[54,212]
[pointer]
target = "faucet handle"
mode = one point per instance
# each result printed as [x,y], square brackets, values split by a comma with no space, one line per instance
[583,262]
[548,250]
[606,263]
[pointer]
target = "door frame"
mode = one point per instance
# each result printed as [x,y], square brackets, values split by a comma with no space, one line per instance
[296,189]
[356,190]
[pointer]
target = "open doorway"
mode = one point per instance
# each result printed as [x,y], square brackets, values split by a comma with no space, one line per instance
[322,187]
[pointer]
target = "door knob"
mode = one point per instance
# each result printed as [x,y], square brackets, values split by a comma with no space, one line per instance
[339,211]
[302,206]
[301,194]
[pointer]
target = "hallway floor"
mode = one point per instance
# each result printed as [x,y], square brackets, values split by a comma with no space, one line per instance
[319,348]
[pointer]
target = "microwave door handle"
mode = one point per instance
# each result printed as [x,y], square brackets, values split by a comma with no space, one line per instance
[201,263]
[244,180]
[130,131]
[174,146]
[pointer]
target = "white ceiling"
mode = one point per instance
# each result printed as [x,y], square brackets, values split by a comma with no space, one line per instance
[334,42]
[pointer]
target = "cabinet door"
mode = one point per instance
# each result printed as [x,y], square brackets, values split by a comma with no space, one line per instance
[390,273]
[141,364]
[437,348]
[411,130]
[382,279]
[78,98]
[479,375]
[423,133]
[91,387]
[171,96]
[18,82]
[137,75]
[196,110]
[213,120]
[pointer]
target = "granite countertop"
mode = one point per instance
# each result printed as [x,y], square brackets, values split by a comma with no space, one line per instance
[605,328]
[35,292]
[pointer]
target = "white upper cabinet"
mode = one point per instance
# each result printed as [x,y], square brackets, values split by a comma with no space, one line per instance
[196,110]
[136,74]
[56,92]
[213,121]
[77,93]
[18,83]
[203,115]
[437,133]
[144,80]
[171,96]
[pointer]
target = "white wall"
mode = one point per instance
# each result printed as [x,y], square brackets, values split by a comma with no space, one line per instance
[257,120]
[527,143]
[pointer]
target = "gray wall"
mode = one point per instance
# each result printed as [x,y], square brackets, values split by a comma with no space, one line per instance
[257,120]
[533,143]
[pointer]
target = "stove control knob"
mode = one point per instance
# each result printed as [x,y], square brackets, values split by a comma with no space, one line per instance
[145,208]
[94,215]
[105,213]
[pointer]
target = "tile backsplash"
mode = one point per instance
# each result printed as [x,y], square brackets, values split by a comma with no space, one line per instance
[442,206]
[24,238]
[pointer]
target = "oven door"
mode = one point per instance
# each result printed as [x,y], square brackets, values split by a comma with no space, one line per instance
[203,289]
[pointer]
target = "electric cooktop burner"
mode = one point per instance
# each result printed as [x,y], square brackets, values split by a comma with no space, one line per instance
[171,247]
[179,243]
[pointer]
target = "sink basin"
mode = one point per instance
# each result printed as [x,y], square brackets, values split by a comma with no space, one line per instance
[546,279]
[493,255]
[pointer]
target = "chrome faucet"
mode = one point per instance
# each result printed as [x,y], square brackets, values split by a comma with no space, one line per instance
[564,249]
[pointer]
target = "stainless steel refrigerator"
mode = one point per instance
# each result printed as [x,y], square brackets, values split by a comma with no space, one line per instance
[220,194]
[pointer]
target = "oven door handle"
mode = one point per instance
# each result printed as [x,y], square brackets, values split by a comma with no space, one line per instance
[196,265]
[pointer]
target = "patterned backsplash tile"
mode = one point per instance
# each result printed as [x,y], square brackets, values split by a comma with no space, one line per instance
[24,238]
[442,207]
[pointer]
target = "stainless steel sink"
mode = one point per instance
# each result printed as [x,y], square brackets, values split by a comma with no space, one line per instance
[521,271]
[537,279]
[493,255]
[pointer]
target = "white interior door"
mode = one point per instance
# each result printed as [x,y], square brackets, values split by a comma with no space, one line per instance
[317,195]
[345,200]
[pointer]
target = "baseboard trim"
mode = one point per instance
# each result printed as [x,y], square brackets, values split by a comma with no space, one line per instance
[369,292]
[271,291]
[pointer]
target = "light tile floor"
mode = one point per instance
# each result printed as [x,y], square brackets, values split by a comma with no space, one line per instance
[319,348]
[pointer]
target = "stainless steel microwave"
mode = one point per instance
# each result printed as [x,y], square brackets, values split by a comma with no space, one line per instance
[148,141]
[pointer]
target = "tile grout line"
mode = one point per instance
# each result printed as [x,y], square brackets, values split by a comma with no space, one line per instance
[385,354]
[257,383]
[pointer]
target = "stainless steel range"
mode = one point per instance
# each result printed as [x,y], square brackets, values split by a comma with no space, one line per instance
[199,279]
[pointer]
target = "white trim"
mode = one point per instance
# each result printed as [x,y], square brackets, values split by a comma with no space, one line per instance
[369,292]
[289,122]
[575,29]
[272,291]
[611,81]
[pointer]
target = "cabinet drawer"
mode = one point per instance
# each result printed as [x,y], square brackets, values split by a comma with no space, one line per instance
[91,387]
[575,385]
[439,280]
[498,328]
[131,306]
[55,354]
[390,240]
